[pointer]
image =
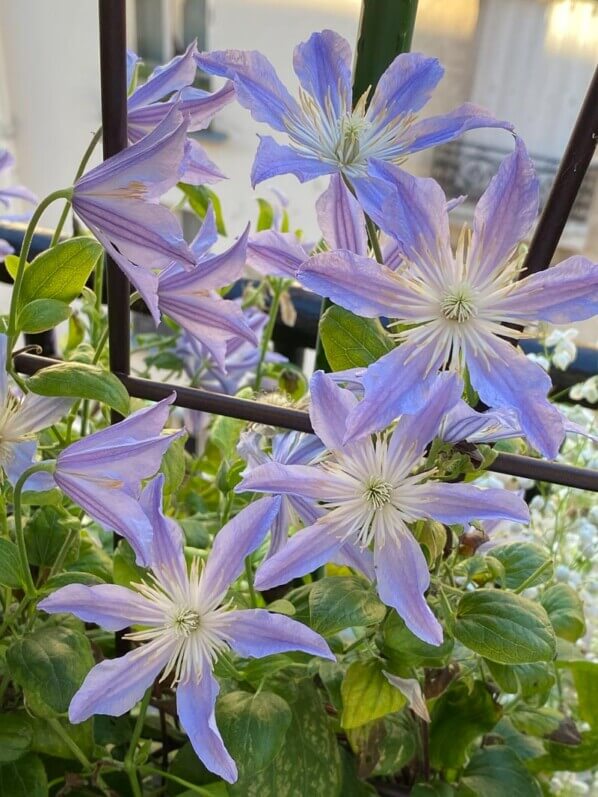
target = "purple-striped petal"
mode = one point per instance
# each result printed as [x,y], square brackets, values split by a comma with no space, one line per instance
[18,457]
[115,685]
[305,480]
[274,253]
[273,159]
[447,127]
[329,409]
[197,168]
[195,706]
[207,235]
[166,79]
[406,85]
[255,633]
[341,218]
[323,66]
[463,503]
[165,554]
[233,543]
[504,214]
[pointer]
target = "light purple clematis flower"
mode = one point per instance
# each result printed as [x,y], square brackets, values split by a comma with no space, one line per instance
[21,418]
[118,201]
[8,194]
[326,133]
[102,473]
[455,305]
[370,495]
[190,297]
[186,626]
[169,86]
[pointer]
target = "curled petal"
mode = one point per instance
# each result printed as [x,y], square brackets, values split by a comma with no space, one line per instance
[447,127]
[256,632]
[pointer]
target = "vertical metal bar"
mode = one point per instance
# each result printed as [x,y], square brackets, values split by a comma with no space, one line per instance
[568,180]
[113,69]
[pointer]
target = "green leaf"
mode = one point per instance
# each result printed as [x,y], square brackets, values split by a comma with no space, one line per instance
[42,314]
[524,679]
[496,772]
[367,695]
[11,574]
[50,665]
[565,610]
[567,757]
[308,763]
[352,785]
[125,570]
[61,272]
[265,219]
[225,434]
[24,778]
[71,577]
[402,646]
[199,198]
[336,603]
[79,380]
[253,726]
[11,263]
[520,561]
[15,736]
[187,766]
[504,627]
[48,742]
[459,717]
[585,678]
[437,789]
[397,745]
[44,537]
[350,341]
[173,465]
[535,721]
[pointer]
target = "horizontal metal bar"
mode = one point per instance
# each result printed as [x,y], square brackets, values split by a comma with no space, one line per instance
[260,412]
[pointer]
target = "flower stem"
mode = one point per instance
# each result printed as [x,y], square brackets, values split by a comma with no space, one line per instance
[48,466]
[267,336]
[249,576]
[147,770]
[84,160]
[373,236]
[130,756]
[27,238]
[76,751]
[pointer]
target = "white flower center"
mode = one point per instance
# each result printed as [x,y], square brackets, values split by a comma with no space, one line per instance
[458,304]
[378,492]
[186,622]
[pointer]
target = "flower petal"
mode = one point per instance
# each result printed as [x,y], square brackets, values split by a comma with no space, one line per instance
[323,66]
[307,550]
[566,292]
[329,409]
[36,413]
[273,253]
[406,85]
[20,456]
[256,632]
[272,159]
[411,689]
[197,168]
[110,606]
[207,235]
[446,127]
[403,578]
[341,218]
[166,79]
[165,555]
[195,707]
[463,503]
[233,543]
[257,85]
[308,481]
[115,685]
[504,214]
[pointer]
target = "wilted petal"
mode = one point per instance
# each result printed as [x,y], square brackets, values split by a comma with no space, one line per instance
[272,159]
[195,706]
[234,542]
[257,85]
[463,503]
[563,293]
[507,378]
[197,167]
[406,85]
[202,106]
[504,214]
[447,127]
[323,66]
[329,409]
[305,552]
[403,578]
[341,218]
[256,632]
[273,253]
[110,606]
[411,689]
[166,79]
[115,685]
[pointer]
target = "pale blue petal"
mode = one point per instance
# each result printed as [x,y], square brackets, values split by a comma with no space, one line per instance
[329,409]
[446,127]
[197,168]
[305,480]
[323,66]
[273,159]
[19,457]
[36,413]
[166,79]
[276,254]
[341,218]
[255,633]
[207,235]
[463,503]
[504,214]
[195,706]
[360,559]
[405,86]
[165,554]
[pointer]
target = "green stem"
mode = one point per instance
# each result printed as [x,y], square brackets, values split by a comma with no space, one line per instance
[249,576]
[532,578]
[27,238]
[129,762]
[267,336]
[48,465]
[84,161]
[373,236]
[63,552]
[76,751]
[147,770]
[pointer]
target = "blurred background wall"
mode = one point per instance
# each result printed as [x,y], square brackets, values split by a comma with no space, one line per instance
[529,61]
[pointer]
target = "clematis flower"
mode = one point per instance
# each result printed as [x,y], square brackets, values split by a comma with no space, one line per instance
[370,495]
[102,473]
[118,202]
[21,417]
[454,305]
[190,297]
[8,194]
[186,625]
[326,133]
[171,86]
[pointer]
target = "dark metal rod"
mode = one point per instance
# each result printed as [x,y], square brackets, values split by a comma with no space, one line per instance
[568,180]
[258,412]
[113,69]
